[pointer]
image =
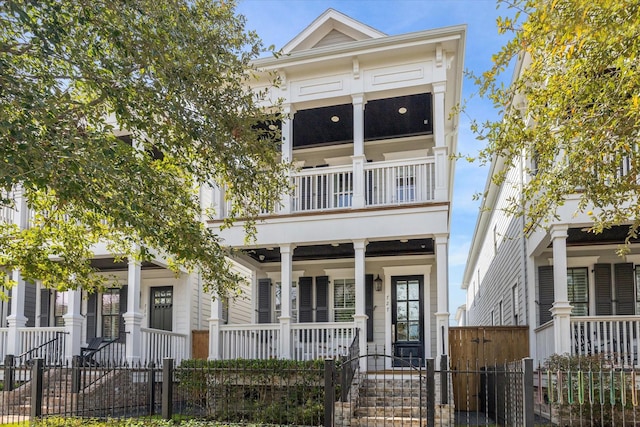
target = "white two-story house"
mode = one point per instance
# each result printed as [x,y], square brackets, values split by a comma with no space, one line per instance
[361,242]
[570,287]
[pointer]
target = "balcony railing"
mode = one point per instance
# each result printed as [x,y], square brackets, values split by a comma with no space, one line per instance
[399,182]
[385,183]
[322,188]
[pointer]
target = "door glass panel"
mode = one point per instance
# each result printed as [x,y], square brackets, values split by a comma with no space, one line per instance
[401,331]
[414,310]
[401,291]
[402,312]
[414,290]
[414,331]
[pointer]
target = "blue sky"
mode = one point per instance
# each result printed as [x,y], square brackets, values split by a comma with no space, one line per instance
[278,21]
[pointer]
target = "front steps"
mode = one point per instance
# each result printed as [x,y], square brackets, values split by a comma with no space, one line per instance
[392,400]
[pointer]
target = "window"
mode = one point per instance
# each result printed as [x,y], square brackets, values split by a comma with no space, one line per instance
[515,303]
[111,313]
[637,271]
[344,300]
[500,314]
[277,298]
[60,308]
[224,301]
[578,289]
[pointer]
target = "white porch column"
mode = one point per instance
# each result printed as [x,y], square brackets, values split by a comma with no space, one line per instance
[214,328]
[359,159]
[561,309]
[287,149]
[73,324]
[17,318]
[286,266]
[360,318]
[440,151]
[442,315]
[133,316]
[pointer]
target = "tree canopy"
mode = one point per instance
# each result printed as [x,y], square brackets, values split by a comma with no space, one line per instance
[573,107]
[113,115]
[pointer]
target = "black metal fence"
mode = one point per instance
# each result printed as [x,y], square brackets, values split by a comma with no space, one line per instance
[335,393]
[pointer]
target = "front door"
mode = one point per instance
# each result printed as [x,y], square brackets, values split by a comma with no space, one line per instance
[161,308]
[407,320]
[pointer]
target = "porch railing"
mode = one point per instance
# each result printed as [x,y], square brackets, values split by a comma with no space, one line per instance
[158,345]
[615,338]
[544,342]
[51,351]
[31,338]
[321,340]
[4,335]
[260,341]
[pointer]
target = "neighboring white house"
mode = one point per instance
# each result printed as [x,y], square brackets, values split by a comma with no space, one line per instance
[362,241]
[568,285]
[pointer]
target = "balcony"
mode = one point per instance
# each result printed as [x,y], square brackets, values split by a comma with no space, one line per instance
[382,184]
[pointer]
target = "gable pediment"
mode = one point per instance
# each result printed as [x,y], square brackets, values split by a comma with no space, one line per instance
[331,28]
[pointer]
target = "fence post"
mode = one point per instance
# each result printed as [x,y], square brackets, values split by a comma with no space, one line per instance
[444,383]
[9,372]
[152,388]
[527,393]
[329,391]
[431,392]
[75,374]
[36,388]
[167,389]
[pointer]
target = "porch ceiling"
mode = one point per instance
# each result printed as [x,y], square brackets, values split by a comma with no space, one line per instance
[345,250]
[613,235]
[110,264]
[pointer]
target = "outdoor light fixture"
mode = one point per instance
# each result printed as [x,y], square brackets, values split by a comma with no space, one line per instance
[378,283]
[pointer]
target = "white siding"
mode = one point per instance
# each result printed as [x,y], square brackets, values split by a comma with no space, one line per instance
[500,264]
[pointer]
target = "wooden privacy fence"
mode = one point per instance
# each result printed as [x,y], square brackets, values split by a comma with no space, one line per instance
[472,348]
[199,344]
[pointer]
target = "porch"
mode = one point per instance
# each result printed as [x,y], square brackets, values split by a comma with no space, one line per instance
[614,338]
[55,346]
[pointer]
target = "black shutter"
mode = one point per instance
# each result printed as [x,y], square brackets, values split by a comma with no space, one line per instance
[625,295]
[45,307]
[368,305]
[602,273]
[305,300]
[264,300]
[123,309]
[322,299]
[545,292]
[92,316]
[30,293]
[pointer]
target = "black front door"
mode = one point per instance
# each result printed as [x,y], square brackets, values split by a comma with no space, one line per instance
[407,320]
[161,308]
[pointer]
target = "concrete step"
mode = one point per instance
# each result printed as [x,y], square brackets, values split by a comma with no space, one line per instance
[390,411]
[388,422]
[378,401]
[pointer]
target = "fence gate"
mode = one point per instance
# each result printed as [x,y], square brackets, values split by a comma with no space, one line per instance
[473,349]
